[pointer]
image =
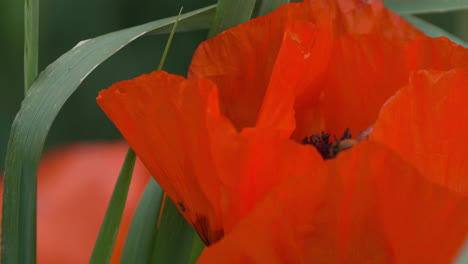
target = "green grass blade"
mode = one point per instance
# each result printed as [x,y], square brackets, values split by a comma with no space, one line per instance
[432,30]
[139,242]
[425,6]
[230,13]
[44,100]
[104,246]
[197,249]
[31,42]
[462,257]
[198,22]
[169,41]
[174,238]
[267,6]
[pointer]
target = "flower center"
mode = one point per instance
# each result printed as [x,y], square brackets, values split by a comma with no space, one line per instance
[329,149]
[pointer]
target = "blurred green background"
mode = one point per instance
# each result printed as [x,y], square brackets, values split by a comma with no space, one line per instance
[63,23]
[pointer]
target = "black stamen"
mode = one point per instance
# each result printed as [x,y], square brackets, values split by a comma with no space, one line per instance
[346,135]
[322,143]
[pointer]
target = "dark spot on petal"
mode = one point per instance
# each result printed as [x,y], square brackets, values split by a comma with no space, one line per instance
[207,235]
[182,207]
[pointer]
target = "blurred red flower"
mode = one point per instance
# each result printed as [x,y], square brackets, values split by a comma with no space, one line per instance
[75,184]
[225,144]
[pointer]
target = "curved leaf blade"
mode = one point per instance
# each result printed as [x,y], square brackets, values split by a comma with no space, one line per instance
[196,22]
[268,6]
[139,242]
[104,246]
[230,13]
[32,124]
[174,238]
[432,30]
[31,42]
[462,257]
[424,6]
[197,249]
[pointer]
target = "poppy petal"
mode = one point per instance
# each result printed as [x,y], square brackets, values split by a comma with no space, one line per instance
[240,62]
[435,54]
[356,17]
[294,86]
[364,72]
[268,233]
[367,206]
[259,162]
[371,17]
[426,123]
[168,121]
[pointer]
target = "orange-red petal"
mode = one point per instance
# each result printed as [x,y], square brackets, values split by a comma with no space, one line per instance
[364,72]
[368,206]
[295,81]
[247,60]
[254,165]
[355,17]
[427,123]
[240,61]
[435,54]
[196,155]
[168,121]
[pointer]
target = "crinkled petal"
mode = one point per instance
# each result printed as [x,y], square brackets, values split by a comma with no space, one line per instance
[435,54]
[247,60]
[364,72]
[169,121]
[269,233]
[240,62]
[360,17]
[366,206]
[294,87]
[427,123]
[256,163]
[356,17]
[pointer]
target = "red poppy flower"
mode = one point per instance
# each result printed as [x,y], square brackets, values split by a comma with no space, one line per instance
[374,203]
[226,141]
[75,184]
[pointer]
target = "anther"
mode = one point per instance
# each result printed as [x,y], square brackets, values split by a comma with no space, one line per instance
[328,149]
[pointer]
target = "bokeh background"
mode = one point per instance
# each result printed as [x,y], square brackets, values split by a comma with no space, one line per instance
[63,23]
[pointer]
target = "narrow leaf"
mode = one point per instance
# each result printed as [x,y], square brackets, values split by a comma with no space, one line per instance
[197,22]
[267,6]
[174,238]
[139,242]
[104,246]
[31,42]
[169,42]
[197,249]
[462,257]
[32,123]
[432,30]
[230,13]
[424,6]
